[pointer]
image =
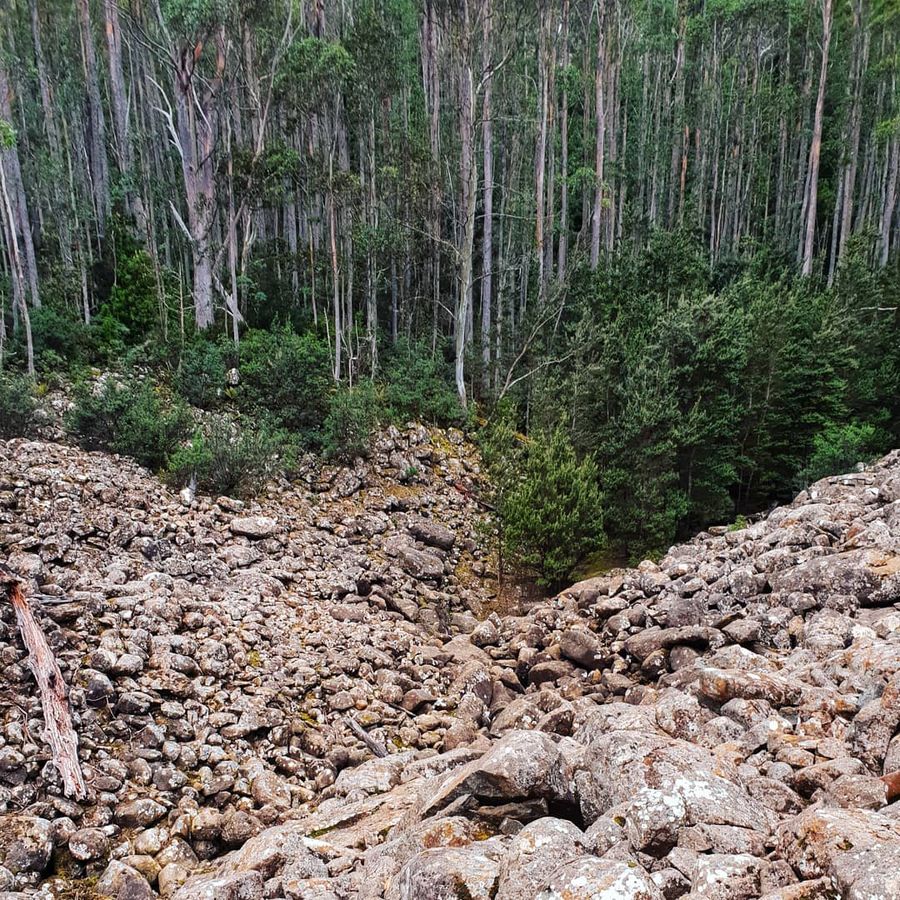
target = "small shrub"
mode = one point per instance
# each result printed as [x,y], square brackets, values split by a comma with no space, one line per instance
[224,458]
[200,375]
[350,422]
[419,387]
[134,418]
[289,376]
[550,507]
[17,405]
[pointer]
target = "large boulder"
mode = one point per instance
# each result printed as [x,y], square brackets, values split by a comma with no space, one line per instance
[590,878]
[536,852]
[447,873]
[858,850]
[521,765]
[628,764]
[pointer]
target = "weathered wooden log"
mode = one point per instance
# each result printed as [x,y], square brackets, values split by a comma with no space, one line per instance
[52,688]
[369,741]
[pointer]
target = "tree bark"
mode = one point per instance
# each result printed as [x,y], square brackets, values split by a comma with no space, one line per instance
[487,234]
[815,150]
[20,219]
[96,125]
[469,181]
[119,106]
[600,145]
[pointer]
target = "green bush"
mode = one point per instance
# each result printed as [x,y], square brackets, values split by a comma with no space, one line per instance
[289,376]
[17,405]
[350,422]
[837,449]
[224,458]
[134,417]
[419,386]
[108,336]
[200,373]
[60,338]
[549,504]
[133,301]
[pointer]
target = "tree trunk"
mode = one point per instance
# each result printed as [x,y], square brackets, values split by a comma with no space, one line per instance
[469,182]
[600,145]
[561,257]
[890,200]
[119,104]
[96,126]
[487,235]
[20,220]
[815,150]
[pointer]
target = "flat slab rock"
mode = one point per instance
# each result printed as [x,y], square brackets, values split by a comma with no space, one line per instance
[254,526]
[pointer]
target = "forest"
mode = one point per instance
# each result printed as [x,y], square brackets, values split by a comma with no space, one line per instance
[647,251]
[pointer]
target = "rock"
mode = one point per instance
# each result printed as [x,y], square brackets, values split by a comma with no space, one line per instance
[650,640]
[122,882]
[432,533]
[88,843]
[858,850]
[534,854]
[256,527]
[583,648]
[26,844]
[681,712]
[267,787]
[590,878]
[722,685]
[653,819]
[727,877]
[626,762]
[447,873]
[520,764]
[235,886]
[421,564]
[139,813]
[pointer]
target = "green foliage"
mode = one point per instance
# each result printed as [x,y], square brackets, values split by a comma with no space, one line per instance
[289,376]
[549,504]
[133,417]
[200,372]
[60,338]
[311,70]
[837,449]
[223,457]
[350,422]
[705,395]
[108,337]
[419,386]
[133,301]
[17,405]
[7,135]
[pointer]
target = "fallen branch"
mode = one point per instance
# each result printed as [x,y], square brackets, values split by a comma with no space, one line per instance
[54,697]
[370,742]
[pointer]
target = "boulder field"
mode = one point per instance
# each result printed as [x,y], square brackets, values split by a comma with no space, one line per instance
[324,695]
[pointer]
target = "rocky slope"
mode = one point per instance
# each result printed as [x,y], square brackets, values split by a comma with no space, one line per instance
[720,725]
